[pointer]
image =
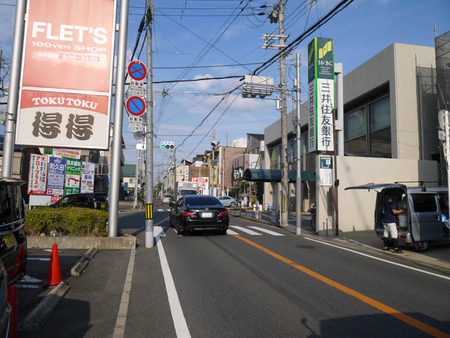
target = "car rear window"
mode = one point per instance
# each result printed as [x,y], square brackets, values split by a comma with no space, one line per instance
[201,200]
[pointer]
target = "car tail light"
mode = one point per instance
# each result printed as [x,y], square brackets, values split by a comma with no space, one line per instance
[189,214]
[223,213]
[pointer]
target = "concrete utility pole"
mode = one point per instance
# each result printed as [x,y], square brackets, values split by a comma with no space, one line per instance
[284,162]
[149,236]
[13,95]
[298,183]
[116,156]
[136,180]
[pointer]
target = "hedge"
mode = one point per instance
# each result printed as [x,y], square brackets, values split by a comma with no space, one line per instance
[66,222]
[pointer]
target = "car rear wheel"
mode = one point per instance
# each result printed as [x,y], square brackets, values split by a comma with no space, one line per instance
[178,228]
[421,246]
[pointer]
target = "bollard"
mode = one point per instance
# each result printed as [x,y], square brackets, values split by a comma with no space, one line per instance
[12,300]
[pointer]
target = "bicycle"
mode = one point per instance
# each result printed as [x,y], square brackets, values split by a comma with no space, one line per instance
[313,217]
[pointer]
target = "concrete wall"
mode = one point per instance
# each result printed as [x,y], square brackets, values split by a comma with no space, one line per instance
[356,207]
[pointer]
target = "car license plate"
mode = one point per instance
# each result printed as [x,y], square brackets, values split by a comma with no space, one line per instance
[10,240]
[207,215]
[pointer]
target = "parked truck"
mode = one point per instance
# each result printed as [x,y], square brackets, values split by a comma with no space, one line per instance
[183,188]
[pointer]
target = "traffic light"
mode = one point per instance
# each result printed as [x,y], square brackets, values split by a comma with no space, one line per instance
[169,145]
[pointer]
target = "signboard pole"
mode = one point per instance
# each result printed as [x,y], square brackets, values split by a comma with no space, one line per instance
[298,183]
[114,186]
[149,236]
[13,97]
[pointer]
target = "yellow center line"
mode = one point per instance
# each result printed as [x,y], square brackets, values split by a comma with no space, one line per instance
[370,301]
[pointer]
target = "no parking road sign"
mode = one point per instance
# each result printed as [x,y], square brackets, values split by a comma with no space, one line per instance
[137,70]
[136,106]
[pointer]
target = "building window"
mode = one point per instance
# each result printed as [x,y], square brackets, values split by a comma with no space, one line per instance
[367,129]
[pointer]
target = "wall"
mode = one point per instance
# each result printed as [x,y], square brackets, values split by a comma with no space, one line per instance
[356,207]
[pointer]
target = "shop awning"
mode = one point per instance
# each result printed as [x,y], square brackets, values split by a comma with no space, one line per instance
[274,175]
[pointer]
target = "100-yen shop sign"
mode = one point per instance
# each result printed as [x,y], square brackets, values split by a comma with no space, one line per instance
[37,178]
[73,175]
[67,74]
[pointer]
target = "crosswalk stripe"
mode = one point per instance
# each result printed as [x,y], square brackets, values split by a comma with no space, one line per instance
[231,232]
[160,210]
[270,232]
[248,231]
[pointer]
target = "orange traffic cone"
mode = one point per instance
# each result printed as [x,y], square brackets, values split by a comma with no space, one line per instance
[54,270]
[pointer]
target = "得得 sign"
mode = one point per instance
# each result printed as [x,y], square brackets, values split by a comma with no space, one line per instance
[66,78]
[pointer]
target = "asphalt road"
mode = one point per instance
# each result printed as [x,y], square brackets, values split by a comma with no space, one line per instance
[265,285]
[258,281]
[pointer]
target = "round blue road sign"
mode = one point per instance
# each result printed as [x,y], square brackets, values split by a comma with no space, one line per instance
[137,70]
[135,106]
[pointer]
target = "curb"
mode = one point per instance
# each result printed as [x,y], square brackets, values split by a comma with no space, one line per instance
[78,268]
[74,242]
[34,320]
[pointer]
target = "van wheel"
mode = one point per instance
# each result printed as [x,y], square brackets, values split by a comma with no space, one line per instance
[421,246]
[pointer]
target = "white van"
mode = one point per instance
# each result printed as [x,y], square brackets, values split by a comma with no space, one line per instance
[423,220]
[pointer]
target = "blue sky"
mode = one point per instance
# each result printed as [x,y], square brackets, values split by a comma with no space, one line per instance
[181,28]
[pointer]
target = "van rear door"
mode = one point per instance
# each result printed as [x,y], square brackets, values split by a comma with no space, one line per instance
[426,224]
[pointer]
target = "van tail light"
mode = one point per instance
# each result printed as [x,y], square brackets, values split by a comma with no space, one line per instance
[189,214]
[402,237]
[223,213]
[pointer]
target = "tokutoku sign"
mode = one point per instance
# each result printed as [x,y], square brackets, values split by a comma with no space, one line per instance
[321,94]
[67,72]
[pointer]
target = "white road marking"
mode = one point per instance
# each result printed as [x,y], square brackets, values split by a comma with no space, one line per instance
[119,328]
[248,231]
[179,321]
[29,279]
[270,232]
[43,259]
[231,232]
[379,259]
[160,210]
[158,232]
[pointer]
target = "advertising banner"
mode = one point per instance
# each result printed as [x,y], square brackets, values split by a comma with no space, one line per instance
[56,170]
[68,153]
[87,177]
[72,178]
[37,178]
[67,74]
[321,94]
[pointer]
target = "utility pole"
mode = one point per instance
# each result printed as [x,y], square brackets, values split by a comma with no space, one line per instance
[298,183]
[277,14]
[149,236]
[13,95]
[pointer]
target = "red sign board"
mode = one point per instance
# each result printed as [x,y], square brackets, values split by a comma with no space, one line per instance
[67,74]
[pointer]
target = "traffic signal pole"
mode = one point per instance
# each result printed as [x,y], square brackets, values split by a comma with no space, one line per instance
[149,236]
[116,155]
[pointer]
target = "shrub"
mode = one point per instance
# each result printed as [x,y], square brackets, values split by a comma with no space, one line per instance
[66,222]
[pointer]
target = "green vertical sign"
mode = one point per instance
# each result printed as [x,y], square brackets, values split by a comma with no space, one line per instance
[73,176]
[321,94]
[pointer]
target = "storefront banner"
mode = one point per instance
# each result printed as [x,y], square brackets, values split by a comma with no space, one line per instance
[87,177]
[56,170]
[37,177]
[67,74]
[73,177]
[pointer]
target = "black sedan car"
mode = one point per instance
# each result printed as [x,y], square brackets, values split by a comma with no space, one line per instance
[83,200]
[191,213]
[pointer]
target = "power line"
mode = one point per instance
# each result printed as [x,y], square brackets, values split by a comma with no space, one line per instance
[210,66]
